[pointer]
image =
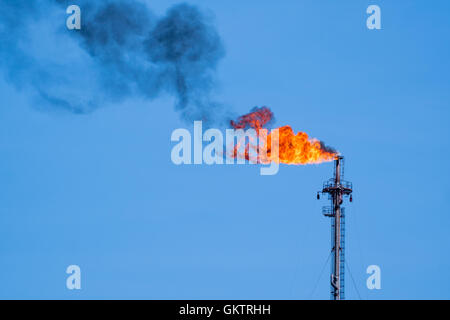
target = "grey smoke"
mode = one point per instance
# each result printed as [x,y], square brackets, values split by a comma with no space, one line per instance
[123,49]
[327,148]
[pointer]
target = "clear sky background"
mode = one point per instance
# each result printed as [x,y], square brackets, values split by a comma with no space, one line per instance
[100,191]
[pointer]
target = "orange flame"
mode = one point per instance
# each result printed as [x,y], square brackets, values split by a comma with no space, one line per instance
[293,148]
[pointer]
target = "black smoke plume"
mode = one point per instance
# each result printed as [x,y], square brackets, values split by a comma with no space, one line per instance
[123,49]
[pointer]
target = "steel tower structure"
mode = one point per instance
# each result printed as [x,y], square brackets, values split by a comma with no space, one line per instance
[337,188]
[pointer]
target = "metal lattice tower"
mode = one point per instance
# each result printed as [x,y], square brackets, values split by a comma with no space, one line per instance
[337,188]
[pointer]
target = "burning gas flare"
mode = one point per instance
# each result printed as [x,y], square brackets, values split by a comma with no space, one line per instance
[296,149]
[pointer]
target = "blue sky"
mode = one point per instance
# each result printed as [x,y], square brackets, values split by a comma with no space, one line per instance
[100,191]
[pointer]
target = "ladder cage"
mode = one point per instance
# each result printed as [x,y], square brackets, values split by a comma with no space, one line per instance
[341,255]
